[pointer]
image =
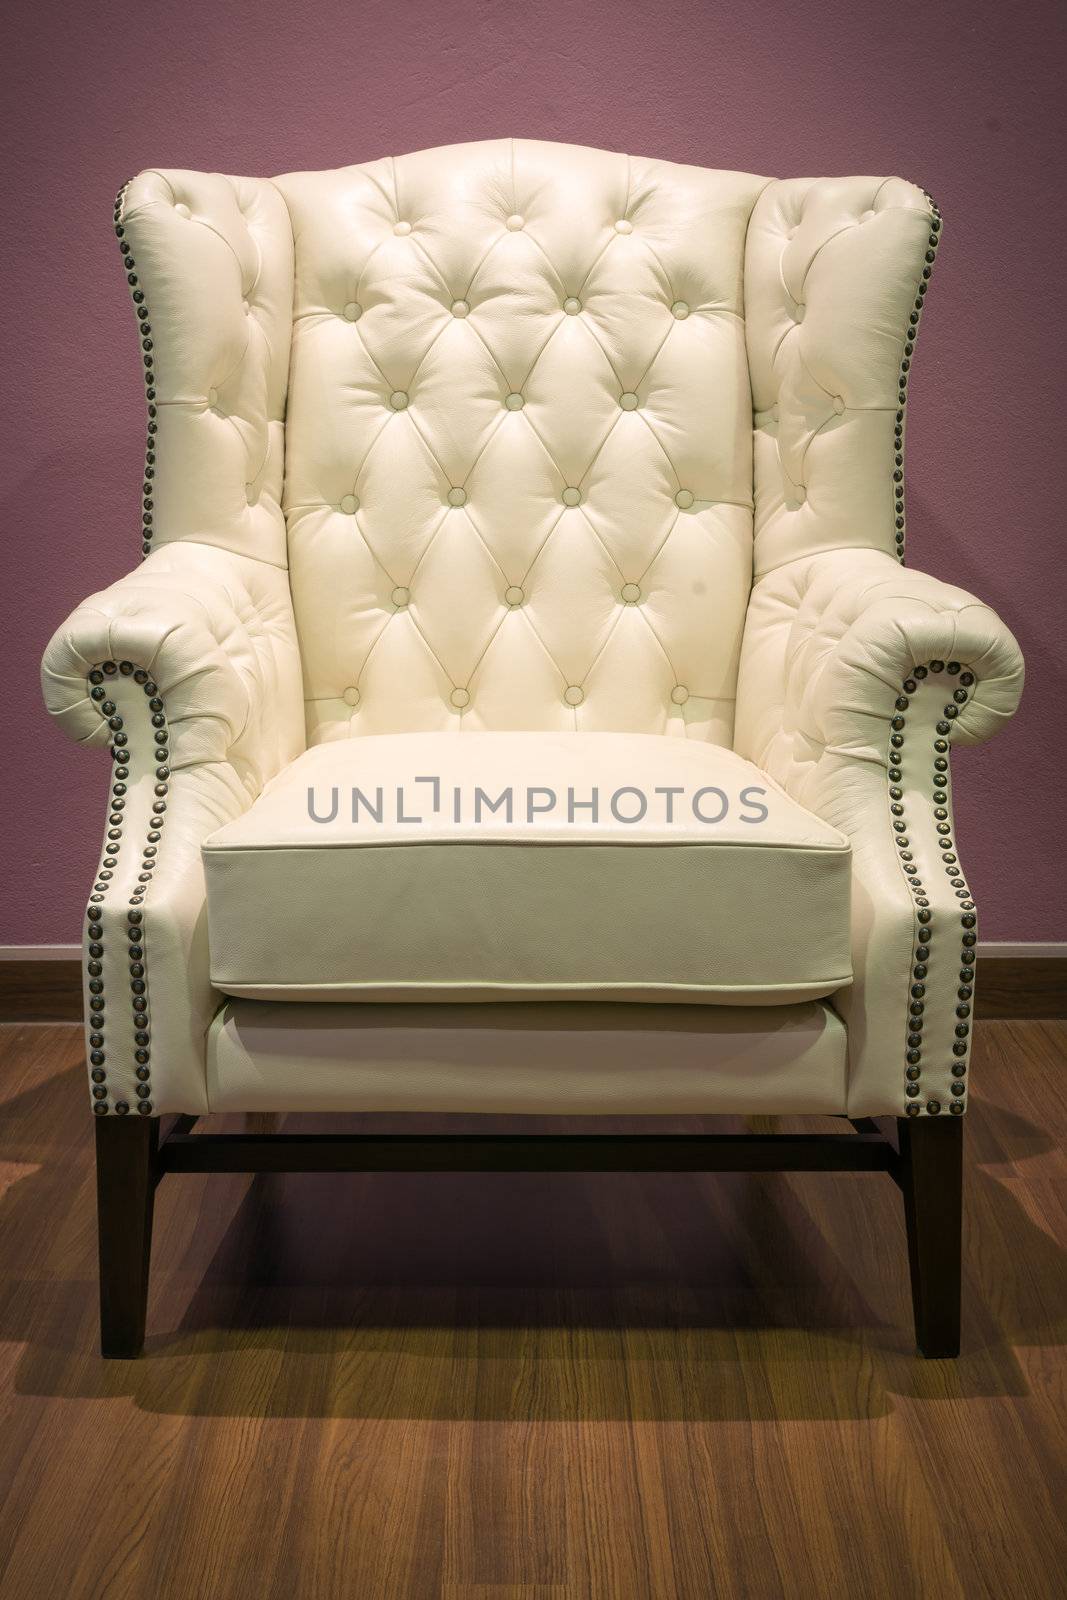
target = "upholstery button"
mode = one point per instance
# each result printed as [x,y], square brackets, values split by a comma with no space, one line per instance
[351,696]
[353,311]
[572,497]
[245,307]
[402,227]
[572,305]
[684,499]
[514,402]
[213,397]
[457,497]
[460,308]
[573,695]
[515,222]
[798,311]
[514,595]
[839,404]
[460,698]
[628,401]
[349,504]
[631,593]
[250,493]
[867,215]
[400,596]
[680,310]
[398,400]
[623,226]
[679,694]
[182,209]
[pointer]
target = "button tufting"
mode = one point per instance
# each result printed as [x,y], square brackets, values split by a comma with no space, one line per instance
[353,311]
[572,497]
[684,499]
[867,215]
[515,222]
[839,404]
[349,504]
[460,308]
[457,497]
[398,400]
[628,401]
[213,397]
[573,695]
[514,595]
[245,307]
[624,226]
[679,694]
[631,593]
[514,402]
[182,209]
[400,596]
[351,696]
[680,310]
[250,493]
[401,227]
[572,305]
[460,698]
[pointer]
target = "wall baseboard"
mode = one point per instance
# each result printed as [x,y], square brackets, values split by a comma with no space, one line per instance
[43,983]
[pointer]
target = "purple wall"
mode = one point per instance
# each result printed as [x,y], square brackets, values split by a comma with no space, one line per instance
[965,98]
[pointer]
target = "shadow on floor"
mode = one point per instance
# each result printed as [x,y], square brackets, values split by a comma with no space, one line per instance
[504,1296]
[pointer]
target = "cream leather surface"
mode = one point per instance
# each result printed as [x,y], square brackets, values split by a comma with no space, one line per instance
[519,455]
[215,631]
[524,420]
[213,262]
[540,1059]
[721,888]
[835,277]
[830,704]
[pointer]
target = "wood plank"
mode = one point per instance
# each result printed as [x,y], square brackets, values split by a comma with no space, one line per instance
[651,1151]
[534,1385]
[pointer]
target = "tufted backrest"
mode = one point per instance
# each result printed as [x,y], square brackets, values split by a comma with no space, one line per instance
[515,388]
[519,441]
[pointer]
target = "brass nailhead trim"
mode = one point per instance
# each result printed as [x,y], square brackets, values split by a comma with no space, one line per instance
[921,954]
[136,955]
[910,335]
[145,334]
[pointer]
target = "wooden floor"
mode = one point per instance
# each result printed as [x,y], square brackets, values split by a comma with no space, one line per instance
[534,1388]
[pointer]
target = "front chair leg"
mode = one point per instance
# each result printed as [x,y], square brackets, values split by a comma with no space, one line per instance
[931,1175]
[125,1191]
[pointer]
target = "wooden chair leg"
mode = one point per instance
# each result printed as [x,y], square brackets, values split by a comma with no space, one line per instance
[931,1159]
[125,1191]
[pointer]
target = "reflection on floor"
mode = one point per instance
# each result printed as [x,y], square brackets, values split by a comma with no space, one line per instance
[533,1386]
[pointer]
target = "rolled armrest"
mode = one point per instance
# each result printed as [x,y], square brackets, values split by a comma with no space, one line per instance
[857,678]
[189,669]
[215,632]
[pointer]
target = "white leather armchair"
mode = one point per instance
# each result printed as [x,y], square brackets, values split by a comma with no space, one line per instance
[598,462]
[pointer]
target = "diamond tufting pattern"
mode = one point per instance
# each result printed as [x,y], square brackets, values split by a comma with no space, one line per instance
[521,407]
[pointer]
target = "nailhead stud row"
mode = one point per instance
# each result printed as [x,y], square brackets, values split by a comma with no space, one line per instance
[145,334]
[122,756]
[910,336]
[924,916]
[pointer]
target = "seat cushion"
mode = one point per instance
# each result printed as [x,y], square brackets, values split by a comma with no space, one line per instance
[494,866]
